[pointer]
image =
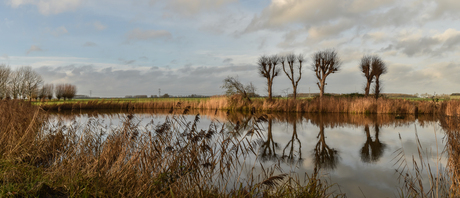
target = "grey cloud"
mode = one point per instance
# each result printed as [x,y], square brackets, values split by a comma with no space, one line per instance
[436,45]
[144,58]
[34,48]
[89,44]
[227,60]
[126,62]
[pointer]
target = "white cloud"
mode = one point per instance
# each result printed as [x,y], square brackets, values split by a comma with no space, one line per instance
[99,26]
[49,7]
[34,48]
[139,34]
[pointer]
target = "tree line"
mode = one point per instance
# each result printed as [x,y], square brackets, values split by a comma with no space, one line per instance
[25,83]
[324,63]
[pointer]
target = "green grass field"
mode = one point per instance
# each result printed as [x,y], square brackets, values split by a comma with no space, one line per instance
[55,101]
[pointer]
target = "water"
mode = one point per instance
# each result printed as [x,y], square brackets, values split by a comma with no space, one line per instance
[356,152]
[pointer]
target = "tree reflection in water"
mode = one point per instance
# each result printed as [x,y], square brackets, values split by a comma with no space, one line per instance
[323,155]
[372,151]
[269,146]
[291,155]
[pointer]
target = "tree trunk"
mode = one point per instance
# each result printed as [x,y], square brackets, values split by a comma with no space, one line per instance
[368,86]
[321,91]
[377,87]
[295,92]
[269,91]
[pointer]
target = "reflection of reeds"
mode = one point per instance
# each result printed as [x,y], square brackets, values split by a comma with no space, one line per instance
[325,105]
[171,159]
[416,172]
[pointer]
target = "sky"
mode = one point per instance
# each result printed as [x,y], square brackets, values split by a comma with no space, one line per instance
[115,48]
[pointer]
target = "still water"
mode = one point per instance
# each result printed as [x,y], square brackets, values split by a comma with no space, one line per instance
[357,152]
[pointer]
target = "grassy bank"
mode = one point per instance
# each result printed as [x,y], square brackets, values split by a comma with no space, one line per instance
[40,158]
[326,105]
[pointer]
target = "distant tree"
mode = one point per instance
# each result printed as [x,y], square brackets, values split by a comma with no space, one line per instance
[69,91]
[378,68]
[31,82]
[5,73]
[268,69]
[165,95]
[234,86]
[16,82]
[325,63]
[290,59]
[59,91]
[49,90]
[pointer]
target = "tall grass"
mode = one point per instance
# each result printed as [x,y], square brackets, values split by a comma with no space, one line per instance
[355,105]
[41,157]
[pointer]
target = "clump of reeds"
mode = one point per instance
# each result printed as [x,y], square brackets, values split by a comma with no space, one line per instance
[327,104]
[422,178]
[175,158]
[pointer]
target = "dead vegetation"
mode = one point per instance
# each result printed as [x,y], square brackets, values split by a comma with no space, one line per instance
[175,158]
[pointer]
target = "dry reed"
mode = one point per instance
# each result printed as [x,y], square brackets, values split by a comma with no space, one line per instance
[175,158]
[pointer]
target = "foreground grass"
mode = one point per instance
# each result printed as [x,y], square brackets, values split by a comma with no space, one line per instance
[41,158]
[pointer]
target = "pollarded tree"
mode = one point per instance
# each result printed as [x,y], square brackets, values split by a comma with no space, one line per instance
[59,91]
[291,59]
[69,91]
[366,68]
[378,68]
[324,63]
[268,69]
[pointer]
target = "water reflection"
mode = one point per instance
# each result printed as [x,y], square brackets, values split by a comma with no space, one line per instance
[372,150]
[290,155]
[356,150]
[324,156]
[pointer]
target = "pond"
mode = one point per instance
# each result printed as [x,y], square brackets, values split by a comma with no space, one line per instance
[358,153]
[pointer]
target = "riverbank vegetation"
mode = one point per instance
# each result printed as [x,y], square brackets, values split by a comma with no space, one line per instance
[327,104]
[40,157]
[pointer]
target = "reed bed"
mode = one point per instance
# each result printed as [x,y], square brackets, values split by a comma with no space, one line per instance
[43,158]
[354,105]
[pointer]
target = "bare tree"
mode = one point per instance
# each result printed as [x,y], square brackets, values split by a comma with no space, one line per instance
[5,73]
[16,82]
[366,68]
[290,60]
[49,90]
[46,91]
[268,69]
[234,86]
[378,68]
[69,91]
[59,91]
[31,81]
[325,63]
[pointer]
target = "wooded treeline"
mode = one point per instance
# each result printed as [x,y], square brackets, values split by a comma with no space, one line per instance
[25,83]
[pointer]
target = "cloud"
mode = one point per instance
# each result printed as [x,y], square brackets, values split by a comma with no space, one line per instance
[59,31]
[139,34]
[89,44]
[126,62]
[99,26]
[34,48]
[192,7]
[49,7]
[435,45]
[227,60]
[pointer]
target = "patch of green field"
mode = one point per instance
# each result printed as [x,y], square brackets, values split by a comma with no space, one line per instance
[54,101]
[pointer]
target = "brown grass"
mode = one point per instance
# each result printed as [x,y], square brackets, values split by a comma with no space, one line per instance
[326,105]
[43,158]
